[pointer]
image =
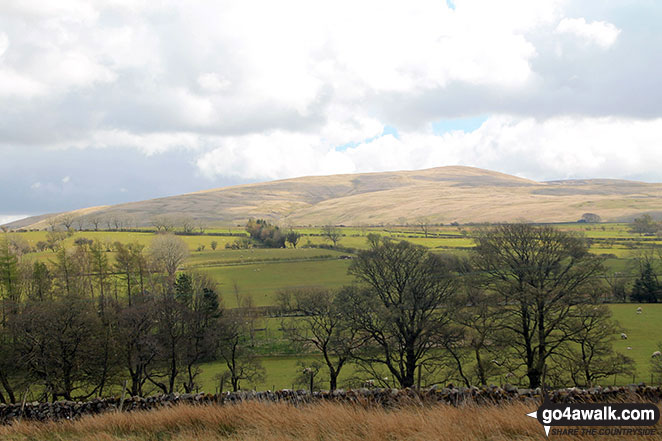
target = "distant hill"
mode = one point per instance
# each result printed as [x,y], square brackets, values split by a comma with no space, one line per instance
[443,195]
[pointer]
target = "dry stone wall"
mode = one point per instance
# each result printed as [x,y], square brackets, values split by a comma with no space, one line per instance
[367,397]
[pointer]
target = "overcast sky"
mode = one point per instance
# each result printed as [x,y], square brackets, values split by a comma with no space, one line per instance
[104,102]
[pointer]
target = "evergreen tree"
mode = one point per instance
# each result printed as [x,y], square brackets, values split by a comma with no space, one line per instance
[8,272]
[646,288]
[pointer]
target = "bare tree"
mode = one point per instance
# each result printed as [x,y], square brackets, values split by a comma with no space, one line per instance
[101,269]
[187,224]
[198,293]
[201,225]
[162,223]
[118,222]
[169,252]
[424,224]
[170,337]
[67,220]
[95,221]
[645,225]
[53,223]
[293,238]
[401,307]
[136,331]
[54,239]
[617,283]
[589,356]
[324,326]
[80,223]
[540,275]
[235,351]
[482,337]
[332,233]
[60,342]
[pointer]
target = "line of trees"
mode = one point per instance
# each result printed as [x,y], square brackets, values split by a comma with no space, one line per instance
[79,325]
[526,302]
[122,221]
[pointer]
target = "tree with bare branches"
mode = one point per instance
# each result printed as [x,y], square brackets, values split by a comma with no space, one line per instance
[400,307]
[331,233]
[169,252]
[324,327]
[540,274]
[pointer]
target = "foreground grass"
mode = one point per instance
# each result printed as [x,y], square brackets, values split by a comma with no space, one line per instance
[325,421]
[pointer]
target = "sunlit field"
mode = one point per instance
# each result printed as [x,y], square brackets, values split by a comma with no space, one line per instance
[258,274]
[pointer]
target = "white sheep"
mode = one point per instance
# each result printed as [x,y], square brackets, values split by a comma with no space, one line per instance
[629,348]
[656,354]
[624,336]
[639,310]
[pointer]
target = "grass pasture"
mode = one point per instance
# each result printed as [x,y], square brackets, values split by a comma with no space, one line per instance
[260,273]
[262,281]
[322,421]
[643,331]
[644,337]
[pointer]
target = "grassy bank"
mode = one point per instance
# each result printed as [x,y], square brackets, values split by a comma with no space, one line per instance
[327,421]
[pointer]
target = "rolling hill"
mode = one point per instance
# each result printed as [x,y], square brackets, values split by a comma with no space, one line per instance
[443,195]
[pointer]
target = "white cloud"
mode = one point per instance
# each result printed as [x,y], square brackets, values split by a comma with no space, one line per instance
[148,143]
[560,147]
[213,82]
[221,67]
[13,84]
[7,218]
[66,179]
[36,185]
[602,33]
[4,43]
[272,156]
[273,94]
[68,10]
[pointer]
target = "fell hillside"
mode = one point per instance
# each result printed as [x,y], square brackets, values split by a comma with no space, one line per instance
[443,195]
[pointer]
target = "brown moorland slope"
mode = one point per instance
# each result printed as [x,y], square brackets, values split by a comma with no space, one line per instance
[443,195]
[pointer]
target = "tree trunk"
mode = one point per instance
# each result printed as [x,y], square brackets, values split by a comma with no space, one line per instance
[534,376]
[333,381]
[409,378]
[480,368]
[8,388]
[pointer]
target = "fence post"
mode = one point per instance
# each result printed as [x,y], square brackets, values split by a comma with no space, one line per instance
[123,395]
[25,397]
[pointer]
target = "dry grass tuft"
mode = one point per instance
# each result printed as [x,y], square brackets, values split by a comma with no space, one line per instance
[281,422]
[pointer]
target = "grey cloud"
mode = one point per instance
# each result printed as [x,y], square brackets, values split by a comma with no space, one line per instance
[143,80]
[97,177]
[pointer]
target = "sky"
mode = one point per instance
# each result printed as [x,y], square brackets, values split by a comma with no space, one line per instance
[103,102]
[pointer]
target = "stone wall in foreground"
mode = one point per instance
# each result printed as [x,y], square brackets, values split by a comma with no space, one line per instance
[366,397]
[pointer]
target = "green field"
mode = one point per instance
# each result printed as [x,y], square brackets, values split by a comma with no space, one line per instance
[262,281]
[259,274]
[643,331]
[644,336]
